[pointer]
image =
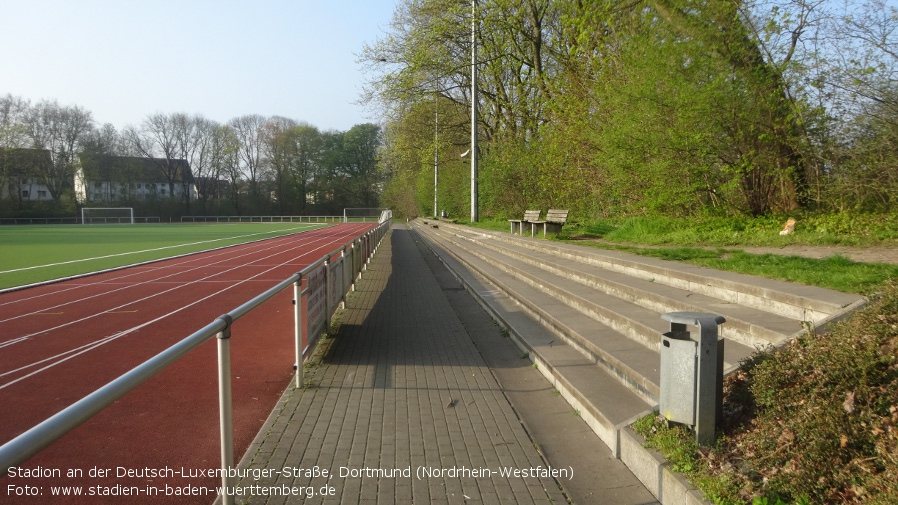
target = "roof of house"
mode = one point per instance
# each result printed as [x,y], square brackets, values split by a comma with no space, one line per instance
[133,169]
[18,162]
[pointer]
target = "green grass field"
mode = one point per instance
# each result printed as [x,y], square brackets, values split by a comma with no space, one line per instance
[30,254]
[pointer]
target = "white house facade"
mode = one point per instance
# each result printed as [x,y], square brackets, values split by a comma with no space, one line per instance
[110,179]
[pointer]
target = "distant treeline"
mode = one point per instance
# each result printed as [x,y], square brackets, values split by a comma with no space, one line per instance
[262,165]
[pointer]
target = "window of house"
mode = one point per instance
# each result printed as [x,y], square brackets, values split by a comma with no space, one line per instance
[25,193]
[41,195]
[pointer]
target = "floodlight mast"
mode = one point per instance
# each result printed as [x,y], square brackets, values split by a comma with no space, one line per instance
[474,111]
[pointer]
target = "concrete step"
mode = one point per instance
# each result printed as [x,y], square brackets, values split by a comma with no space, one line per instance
[750,326]
[618,334]
[794,301]
[590,319]
[595,394]
[608,305]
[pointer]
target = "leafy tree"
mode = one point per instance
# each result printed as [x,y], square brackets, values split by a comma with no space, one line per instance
[360,147]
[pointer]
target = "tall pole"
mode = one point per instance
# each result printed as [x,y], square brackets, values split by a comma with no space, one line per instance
[436,151]
[473,111]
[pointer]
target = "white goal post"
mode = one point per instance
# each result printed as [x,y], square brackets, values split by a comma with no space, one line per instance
[364,214]
[105,215]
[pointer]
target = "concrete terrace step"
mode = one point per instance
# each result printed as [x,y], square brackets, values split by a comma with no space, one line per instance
[795,301]
[640,322]
[590,320]
[633,362]
[603,402]
[749,326]
[607,305]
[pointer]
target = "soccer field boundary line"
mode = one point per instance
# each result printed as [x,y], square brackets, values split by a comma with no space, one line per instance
[82,260]
[105,340]
[128,285]
[178,286]
[123,279]
[142,263]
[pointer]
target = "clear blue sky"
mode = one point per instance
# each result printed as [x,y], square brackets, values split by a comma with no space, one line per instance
[125,59]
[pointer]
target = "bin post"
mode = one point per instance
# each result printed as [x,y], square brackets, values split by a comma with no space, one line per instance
[708,383]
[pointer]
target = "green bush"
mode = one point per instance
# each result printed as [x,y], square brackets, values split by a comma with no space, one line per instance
[827,408]
[813,422]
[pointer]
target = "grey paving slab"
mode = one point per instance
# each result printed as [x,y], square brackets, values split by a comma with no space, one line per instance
[401,408]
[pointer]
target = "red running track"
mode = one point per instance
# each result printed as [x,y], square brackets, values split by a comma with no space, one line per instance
[62,341]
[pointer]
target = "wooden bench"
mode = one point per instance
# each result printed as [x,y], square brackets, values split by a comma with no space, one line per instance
[555,220]
[530,216]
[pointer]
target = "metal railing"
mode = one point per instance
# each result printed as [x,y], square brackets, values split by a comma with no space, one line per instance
[261,219]
[78,220]
[328,281]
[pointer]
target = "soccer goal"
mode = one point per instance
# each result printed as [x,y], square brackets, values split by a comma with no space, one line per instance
[105,215]
[363,214]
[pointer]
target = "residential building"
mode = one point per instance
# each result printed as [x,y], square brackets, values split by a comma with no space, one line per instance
[22,173]
[107,178]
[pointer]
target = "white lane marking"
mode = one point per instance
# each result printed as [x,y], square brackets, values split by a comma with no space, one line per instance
[93,345]
[159,293]
[131,285]
[135,252]
[130,273]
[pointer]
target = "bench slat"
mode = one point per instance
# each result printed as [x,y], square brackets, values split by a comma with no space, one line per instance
[557,216]
[530,216]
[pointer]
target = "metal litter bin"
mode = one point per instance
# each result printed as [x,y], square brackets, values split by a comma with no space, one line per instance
[692,373]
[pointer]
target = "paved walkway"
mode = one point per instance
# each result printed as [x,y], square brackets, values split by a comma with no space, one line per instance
[401,407]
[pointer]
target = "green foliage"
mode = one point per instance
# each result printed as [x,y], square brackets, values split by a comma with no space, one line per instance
[710,230]
[649,108]
[814,422]
[834,397]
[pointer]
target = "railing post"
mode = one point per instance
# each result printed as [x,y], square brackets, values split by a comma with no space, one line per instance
[340,287]
[353,250]
[225,408]
[297,316]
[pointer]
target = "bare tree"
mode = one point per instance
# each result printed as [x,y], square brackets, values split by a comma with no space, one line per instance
[13,121]
[280,153]
[13,135]
[157,139]
[250,132]
[225,161]
[59,130]
[199,152]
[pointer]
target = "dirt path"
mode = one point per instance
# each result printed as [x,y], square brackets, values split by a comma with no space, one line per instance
[876,254]
[873,254]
